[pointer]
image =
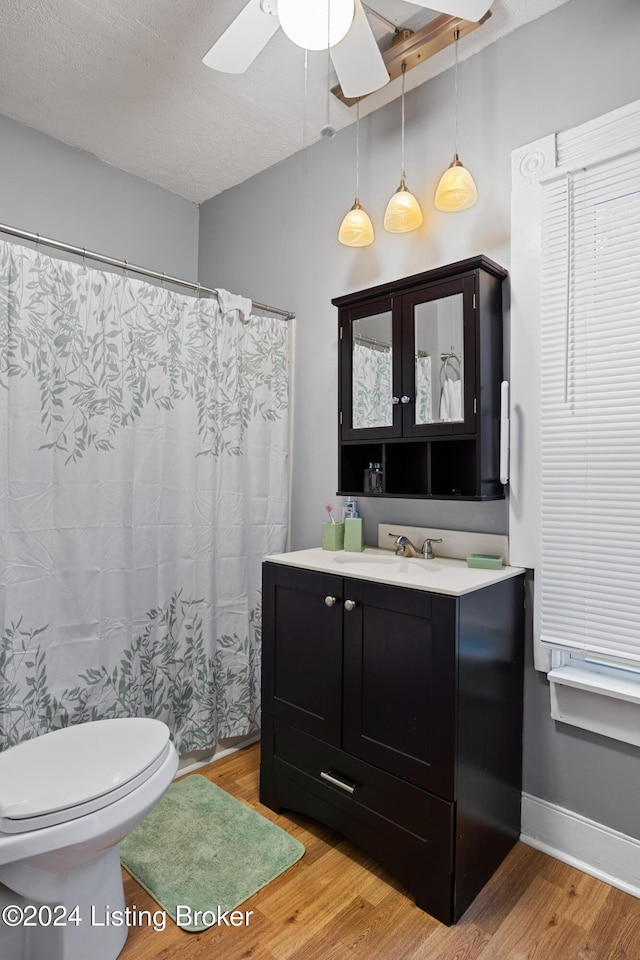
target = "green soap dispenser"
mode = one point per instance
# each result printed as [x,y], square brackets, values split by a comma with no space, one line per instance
[354,534]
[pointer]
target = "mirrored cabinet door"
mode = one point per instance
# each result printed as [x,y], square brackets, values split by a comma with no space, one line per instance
[438,359]
[438,363]
[371,372]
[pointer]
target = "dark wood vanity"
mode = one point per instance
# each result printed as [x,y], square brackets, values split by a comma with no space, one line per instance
[420,365]
[394,715]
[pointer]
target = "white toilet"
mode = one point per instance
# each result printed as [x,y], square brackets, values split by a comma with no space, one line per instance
[66,800]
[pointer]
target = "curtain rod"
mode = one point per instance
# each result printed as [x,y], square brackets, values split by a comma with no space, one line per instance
[134,268]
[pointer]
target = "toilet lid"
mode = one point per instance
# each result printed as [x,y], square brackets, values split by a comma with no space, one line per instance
[88,766]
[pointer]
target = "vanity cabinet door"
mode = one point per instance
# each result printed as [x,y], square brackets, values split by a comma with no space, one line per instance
[399,683]
[371,370]
[439,359]
[302,650]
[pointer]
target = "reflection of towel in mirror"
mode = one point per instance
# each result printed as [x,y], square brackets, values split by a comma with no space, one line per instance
[451,400]
[233,301]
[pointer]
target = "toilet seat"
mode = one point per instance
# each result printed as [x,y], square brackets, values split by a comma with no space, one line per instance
[75,771]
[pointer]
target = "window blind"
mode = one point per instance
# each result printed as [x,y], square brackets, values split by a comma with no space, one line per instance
[590,411]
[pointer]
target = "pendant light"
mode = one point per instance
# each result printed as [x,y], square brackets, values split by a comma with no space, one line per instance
[356,230]
[456,190]
[403,211]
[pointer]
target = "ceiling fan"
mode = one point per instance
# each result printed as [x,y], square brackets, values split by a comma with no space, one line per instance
[341,25]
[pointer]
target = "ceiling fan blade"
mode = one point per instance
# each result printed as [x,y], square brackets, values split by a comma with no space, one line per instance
[473,10]
[236,49]
[357,58]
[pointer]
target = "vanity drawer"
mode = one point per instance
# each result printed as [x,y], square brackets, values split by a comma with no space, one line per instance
[351,784]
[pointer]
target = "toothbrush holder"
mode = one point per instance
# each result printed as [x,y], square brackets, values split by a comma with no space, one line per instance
[333,536]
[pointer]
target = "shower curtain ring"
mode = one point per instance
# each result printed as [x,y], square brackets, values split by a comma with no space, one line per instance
[126,267]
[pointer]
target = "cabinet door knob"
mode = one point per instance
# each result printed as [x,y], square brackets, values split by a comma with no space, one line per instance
[329,601]
[395,400]
[405,399]
[349,605]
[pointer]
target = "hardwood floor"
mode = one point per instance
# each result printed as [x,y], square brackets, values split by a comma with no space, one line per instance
[337,904]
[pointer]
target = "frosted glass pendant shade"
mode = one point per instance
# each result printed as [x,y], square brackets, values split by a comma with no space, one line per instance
[456,190]
[356,230]
[305,22]
[403,211]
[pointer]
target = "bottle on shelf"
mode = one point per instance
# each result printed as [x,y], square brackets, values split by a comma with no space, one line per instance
[374,478]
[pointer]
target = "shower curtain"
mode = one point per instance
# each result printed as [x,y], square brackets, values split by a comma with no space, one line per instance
[143,476]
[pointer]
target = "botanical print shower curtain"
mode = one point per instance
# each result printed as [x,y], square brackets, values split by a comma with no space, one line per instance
[143,476]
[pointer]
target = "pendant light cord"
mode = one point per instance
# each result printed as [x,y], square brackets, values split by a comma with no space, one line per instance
[404,70]
[305,104]
[456,34]
[358,151]
[329,63]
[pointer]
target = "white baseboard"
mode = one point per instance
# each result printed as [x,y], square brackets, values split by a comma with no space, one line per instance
[585,844]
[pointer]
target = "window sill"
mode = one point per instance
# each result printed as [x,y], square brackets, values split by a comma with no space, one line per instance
[601,703]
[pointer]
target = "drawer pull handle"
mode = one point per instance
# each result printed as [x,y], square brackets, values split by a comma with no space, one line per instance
[349,605]
[329,777]
[329,601]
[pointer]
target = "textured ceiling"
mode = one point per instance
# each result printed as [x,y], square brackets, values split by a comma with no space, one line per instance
[123,80]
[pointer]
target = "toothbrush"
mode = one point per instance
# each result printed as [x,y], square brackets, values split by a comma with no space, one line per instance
[329,510]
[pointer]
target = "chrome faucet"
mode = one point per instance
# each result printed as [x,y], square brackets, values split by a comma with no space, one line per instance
[404,547]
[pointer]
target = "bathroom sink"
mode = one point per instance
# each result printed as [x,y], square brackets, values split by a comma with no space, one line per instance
[407,569]
[364,559]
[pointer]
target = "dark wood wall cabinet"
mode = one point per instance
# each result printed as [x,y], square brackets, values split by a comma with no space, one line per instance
[395,716]
[420,366]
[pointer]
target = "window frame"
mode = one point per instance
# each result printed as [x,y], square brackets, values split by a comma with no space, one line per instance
[591,695]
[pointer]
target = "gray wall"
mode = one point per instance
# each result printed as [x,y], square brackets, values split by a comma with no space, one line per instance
[49,188]
[274,238]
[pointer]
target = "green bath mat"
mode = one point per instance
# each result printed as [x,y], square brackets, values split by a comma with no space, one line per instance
[200,853]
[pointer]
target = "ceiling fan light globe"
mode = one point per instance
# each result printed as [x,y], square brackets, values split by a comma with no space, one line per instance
[305,22]
[456,190]
[403,212]
[356,230]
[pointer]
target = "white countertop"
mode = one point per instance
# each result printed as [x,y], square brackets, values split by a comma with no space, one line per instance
[441,575]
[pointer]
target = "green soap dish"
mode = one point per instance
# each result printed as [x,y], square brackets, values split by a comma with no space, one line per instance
[484,561]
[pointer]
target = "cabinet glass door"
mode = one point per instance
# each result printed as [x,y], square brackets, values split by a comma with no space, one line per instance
[438,360]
